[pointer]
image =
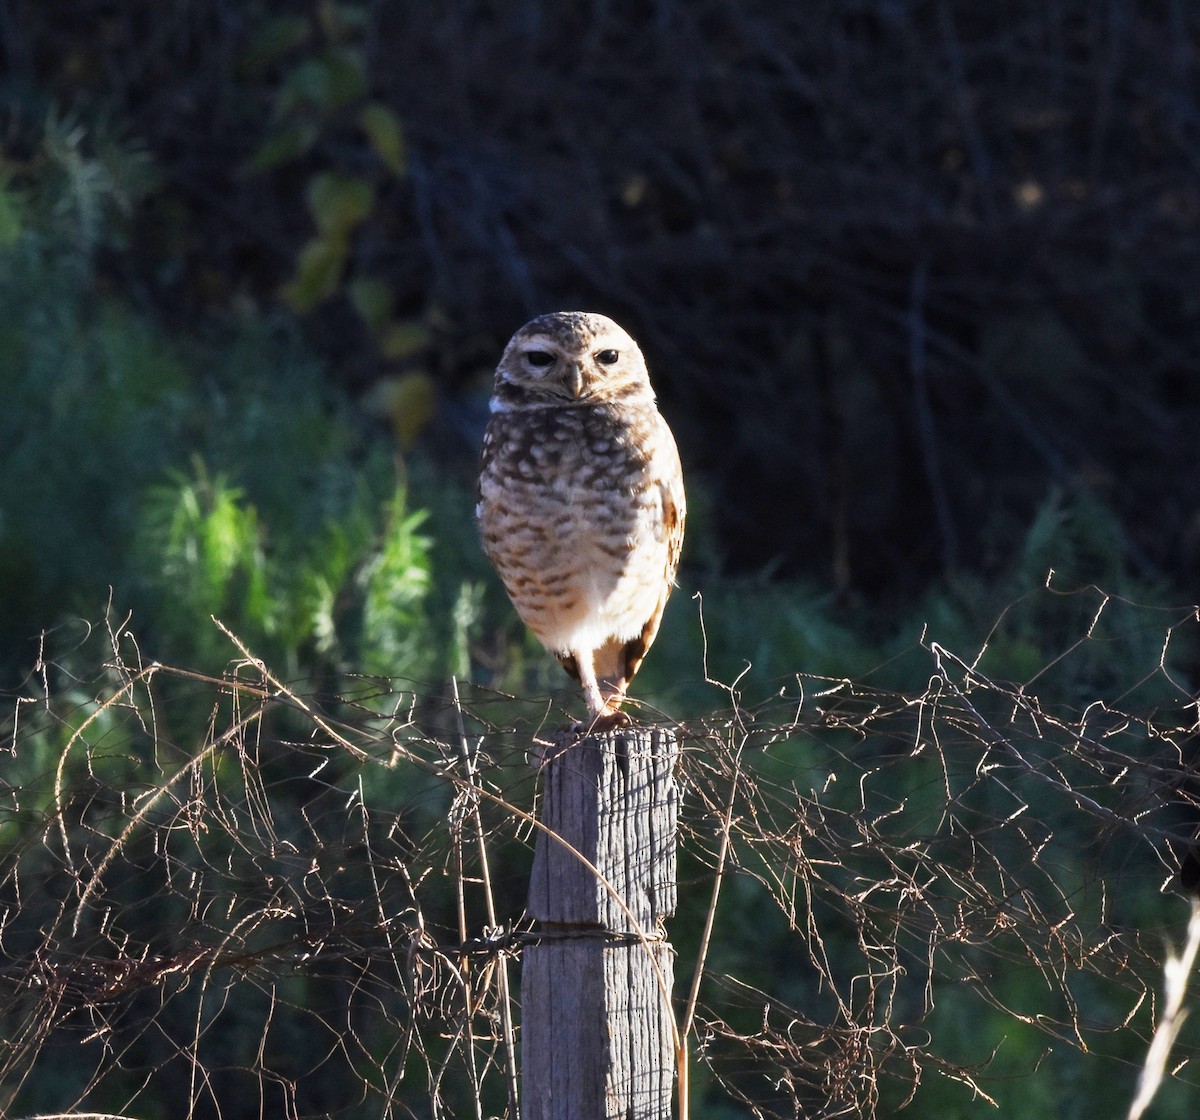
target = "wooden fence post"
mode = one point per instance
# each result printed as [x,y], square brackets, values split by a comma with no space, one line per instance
[596,1032]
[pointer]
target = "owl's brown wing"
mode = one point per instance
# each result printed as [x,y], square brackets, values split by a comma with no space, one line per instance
[674,514]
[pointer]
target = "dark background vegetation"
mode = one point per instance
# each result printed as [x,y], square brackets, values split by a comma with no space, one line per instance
[900,268]
[918,283]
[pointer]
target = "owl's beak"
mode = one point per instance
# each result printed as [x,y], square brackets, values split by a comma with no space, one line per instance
[574,379]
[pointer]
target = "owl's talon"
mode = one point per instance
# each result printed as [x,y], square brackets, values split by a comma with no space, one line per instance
[598,725]
[609,721]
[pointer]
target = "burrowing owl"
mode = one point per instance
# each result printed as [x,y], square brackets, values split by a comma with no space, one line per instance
[581,498]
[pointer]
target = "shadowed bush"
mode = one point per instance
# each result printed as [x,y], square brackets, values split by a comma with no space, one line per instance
[899,268]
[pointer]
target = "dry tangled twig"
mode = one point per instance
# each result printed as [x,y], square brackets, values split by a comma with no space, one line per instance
[312,912]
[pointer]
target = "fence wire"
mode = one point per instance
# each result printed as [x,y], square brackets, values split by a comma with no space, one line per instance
[315,907]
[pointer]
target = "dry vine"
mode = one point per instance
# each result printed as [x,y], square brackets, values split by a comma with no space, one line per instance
[315,910]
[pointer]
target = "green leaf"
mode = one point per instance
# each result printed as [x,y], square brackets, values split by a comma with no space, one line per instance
[383,130]
[347,75]
[273,40]
[338,203]
[325,83]
[372,300]
[283,147]
[409,402]
[403,340]
[318,273]
[306,86]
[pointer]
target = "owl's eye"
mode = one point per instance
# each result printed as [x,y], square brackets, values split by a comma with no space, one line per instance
[607,357]
[539,359]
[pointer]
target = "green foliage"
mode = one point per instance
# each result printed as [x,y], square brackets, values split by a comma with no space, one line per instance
[755,635]
[383,130]
[12,219]
[322,102]
[207,539]
[90,180]
[92,392]
[395,583]
[351,595]
[207,477]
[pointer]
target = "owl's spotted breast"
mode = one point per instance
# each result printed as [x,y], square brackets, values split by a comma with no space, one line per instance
[572,502]
[597,449]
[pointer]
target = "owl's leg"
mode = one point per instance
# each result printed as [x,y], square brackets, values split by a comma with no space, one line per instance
[591,688]
[608,664]
[603,697]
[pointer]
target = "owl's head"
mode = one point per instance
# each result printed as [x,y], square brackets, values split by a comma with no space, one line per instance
[570,357]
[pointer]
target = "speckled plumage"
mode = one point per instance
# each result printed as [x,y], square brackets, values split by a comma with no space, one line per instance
[581,503]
